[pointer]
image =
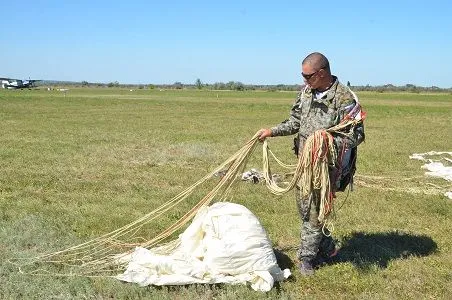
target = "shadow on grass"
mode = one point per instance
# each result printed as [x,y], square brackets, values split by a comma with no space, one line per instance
[283,260]
[365,250]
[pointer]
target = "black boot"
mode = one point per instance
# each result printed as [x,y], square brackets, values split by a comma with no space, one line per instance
[306,267]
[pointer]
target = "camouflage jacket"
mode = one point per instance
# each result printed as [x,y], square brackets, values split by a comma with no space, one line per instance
[309,115]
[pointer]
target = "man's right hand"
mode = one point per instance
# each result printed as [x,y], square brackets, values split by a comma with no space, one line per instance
[264,133]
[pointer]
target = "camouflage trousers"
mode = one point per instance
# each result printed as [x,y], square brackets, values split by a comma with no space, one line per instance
[314,242]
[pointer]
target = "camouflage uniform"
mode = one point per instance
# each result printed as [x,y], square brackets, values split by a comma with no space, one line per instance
[308,115]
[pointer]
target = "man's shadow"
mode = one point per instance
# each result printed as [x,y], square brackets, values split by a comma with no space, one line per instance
[365,250]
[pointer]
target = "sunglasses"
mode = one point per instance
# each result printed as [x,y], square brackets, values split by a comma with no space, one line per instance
[308,76]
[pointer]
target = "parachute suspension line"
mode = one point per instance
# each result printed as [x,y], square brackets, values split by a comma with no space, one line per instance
[226,181]
[286,166]
[100,255]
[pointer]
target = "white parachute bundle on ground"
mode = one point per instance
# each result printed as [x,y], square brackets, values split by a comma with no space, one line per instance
[225,243]
[437,167]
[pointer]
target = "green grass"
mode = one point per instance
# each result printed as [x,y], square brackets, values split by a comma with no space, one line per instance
[78,165]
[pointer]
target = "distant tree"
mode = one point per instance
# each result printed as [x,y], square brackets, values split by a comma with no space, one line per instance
[412,88]
[113,84]
[219,86]
[348,84]
[198,84]
[230,85]
[85,83]
[272,88]
[381,88]
[151,86]
[239,86]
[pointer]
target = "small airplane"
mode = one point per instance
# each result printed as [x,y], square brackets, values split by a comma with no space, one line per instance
[11,83]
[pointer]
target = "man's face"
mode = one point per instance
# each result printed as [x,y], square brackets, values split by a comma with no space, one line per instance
[311,75]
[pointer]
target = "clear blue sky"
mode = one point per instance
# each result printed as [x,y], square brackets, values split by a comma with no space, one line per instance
[255,42]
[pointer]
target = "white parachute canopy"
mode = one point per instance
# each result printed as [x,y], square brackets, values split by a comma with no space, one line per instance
[437,168]
[224,244]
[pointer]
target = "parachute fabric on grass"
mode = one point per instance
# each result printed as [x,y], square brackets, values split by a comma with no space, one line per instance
[224,244]
[438,165]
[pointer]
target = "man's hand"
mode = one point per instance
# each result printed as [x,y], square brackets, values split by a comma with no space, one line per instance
[264,133]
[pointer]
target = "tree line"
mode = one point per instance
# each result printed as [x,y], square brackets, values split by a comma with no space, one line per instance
[239,86]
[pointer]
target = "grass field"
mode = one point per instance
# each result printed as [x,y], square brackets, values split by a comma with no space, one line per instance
[78,165]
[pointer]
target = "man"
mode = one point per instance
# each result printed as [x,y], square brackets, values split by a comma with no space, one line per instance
[322,103]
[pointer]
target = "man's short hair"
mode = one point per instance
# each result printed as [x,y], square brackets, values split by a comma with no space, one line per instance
[317,60]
